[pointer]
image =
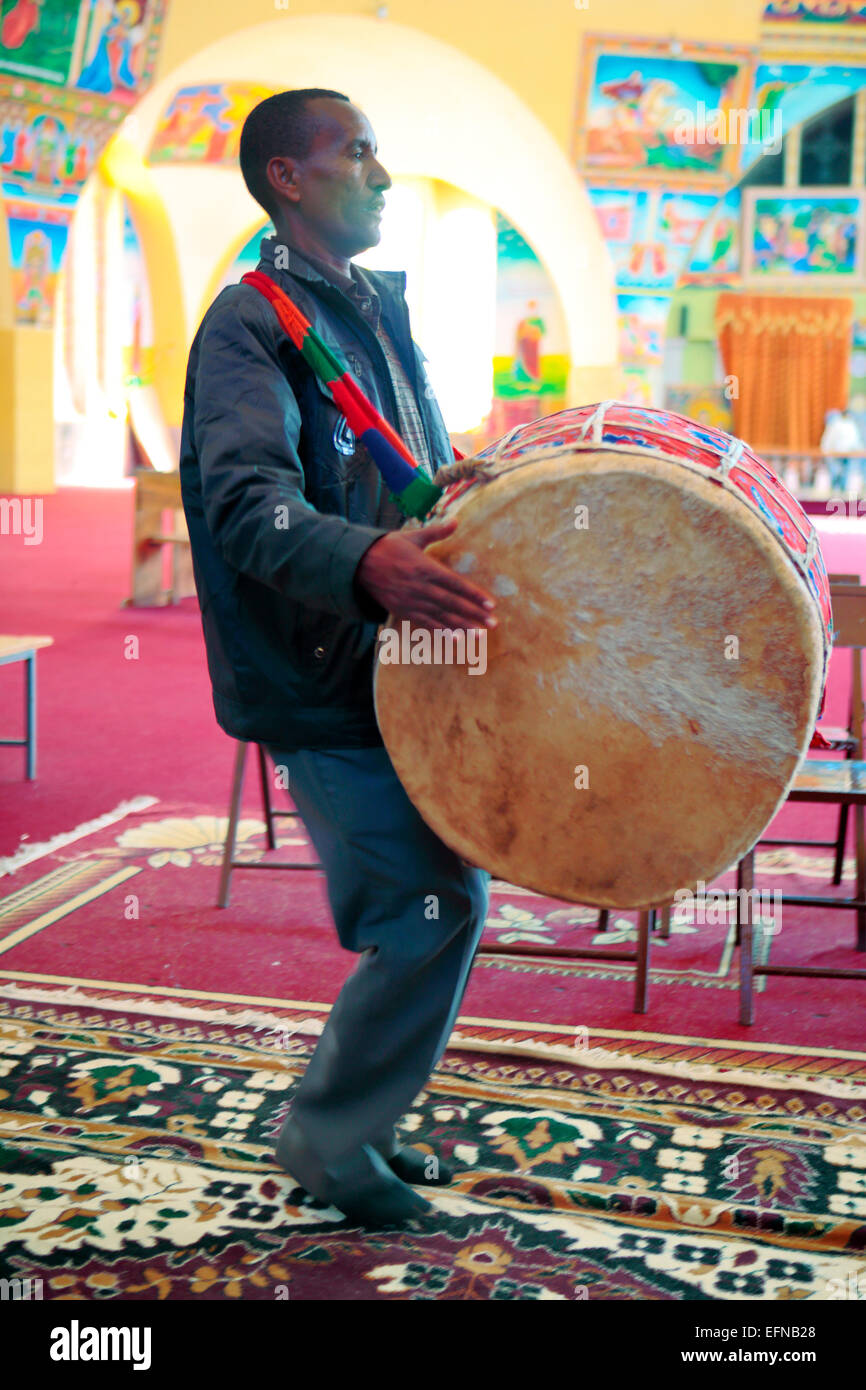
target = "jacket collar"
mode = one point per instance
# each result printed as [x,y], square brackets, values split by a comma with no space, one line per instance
[389,282]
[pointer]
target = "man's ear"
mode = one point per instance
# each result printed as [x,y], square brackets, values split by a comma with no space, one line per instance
[282,174]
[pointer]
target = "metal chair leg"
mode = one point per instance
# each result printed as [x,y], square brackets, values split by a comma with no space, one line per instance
[841,836]
[30,715]
[641,982]
[603,918]
[665,931]
[746,882]
[860,844]
[232,832]
[266,797]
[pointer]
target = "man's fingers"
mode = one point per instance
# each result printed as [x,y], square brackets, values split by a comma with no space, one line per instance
[428,534]
[442,611]
[431,621]
[465,610]
[442,577]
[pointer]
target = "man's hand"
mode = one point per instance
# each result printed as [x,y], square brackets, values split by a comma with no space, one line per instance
[413,585]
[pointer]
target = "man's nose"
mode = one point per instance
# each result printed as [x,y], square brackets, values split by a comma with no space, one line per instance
[379,177]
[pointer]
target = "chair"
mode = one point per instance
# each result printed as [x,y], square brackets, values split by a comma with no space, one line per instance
[641,955]
[821,782]
[664,921]
[839,741]
[229,863]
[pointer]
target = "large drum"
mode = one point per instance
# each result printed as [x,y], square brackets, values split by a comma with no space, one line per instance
[656,674]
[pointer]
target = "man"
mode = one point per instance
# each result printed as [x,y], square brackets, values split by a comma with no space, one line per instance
[297,557]
[840,440]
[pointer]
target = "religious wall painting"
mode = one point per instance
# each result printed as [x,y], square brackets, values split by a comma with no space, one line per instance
[202,124]
[530,354]
[46,153]
[623,219]
[650,233]
[638,383]
[137,311]
[715,255]
[810,234]
[679,221]
[38,38]
[104,47]
[650,110]
[119,44]
[707,405]
[37,241]
[642,321]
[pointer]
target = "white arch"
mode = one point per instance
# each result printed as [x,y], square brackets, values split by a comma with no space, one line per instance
[436,113]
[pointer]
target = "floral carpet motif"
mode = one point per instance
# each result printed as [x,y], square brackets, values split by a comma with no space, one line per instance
[136,1162]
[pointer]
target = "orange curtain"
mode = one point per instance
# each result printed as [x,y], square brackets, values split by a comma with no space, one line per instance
[789,358]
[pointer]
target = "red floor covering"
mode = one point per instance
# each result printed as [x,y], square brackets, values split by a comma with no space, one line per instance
[112,729]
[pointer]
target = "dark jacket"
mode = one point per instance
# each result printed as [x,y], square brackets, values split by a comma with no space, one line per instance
[282,504]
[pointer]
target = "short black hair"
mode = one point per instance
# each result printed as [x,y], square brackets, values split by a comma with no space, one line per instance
[280,125]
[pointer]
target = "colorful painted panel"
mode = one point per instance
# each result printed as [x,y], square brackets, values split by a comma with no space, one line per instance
[202,125]
[624,217]
[37,38]
[137,312]
[44,153]
[638,383]
[530,357]
[706,404]
[646,112]
[650,233]
[816,11]
[642,321]
[37,241]
[715,259]
[785,94]
[810,234]
[116,54]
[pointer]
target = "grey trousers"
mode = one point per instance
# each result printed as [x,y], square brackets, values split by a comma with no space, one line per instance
[403,901]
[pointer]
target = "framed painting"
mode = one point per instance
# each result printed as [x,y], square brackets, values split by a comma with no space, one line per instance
[667,111]
[803,236]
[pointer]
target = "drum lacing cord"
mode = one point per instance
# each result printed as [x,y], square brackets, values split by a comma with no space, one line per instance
[811,547]
[731,456]
[485,469]
[596,422]
[463,468]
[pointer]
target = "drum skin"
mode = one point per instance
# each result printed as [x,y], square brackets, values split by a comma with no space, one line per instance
[650,689]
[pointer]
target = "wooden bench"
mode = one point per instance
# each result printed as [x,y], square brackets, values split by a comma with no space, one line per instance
[159,522]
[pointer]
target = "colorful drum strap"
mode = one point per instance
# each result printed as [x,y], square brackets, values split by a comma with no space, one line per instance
[411,486]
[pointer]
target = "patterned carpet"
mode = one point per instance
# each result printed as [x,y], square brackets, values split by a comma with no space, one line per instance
[135,1151]
[131,903]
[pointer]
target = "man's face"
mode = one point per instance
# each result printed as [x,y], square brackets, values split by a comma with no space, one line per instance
[338,189]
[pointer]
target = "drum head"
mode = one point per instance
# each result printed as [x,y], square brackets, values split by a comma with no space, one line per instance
[649,691]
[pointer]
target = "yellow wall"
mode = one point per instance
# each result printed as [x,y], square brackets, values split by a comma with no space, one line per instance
[26,410]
